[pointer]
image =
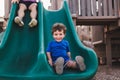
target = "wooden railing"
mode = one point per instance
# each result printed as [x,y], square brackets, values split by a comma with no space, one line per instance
[99,7]
[95,9]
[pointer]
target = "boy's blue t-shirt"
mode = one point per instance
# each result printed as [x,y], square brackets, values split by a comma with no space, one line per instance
[59,49]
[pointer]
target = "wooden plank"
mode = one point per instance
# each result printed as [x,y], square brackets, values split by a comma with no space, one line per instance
[74,6]
[55,3]
[83,7]
[94,7]
[7,8]
[99,7]
[119,8]
[70,6]
[105,10]
[115,8]
[110,7]
[88,7]
[79,7]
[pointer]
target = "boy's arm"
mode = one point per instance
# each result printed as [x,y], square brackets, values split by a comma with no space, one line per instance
[15,1]
[49,58]
[69,54]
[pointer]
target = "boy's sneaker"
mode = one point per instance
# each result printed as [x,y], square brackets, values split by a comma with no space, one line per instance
[33,23]
[59,65]
[18,21]
[80,62]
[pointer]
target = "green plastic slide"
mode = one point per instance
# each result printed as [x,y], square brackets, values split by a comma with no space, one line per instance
[22,49]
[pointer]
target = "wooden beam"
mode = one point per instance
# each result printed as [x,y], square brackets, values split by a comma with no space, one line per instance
[98,18]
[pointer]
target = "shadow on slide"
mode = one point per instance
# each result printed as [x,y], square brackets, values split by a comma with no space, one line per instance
[22,49]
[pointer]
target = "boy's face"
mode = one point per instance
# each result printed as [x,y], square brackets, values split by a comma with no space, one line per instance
[58,35]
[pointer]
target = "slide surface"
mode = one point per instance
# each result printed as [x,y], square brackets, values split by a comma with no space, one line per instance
[22,49]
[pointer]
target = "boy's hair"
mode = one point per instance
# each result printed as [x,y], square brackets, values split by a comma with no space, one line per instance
[59,27]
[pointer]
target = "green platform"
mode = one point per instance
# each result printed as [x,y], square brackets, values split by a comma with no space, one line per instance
[22,49]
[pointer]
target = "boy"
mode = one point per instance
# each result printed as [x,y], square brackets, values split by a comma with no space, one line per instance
[23,5]
[58,51]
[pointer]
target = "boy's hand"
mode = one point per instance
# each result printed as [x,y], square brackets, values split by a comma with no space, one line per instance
[15,1]
[71,63]
[69,55]
[49,59]
[50,62]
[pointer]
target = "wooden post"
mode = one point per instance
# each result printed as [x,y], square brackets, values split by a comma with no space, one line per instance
[118,22]
[108,50]
[74,17]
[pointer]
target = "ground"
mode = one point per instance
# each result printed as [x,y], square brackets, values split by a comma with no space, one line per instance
[108,73]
